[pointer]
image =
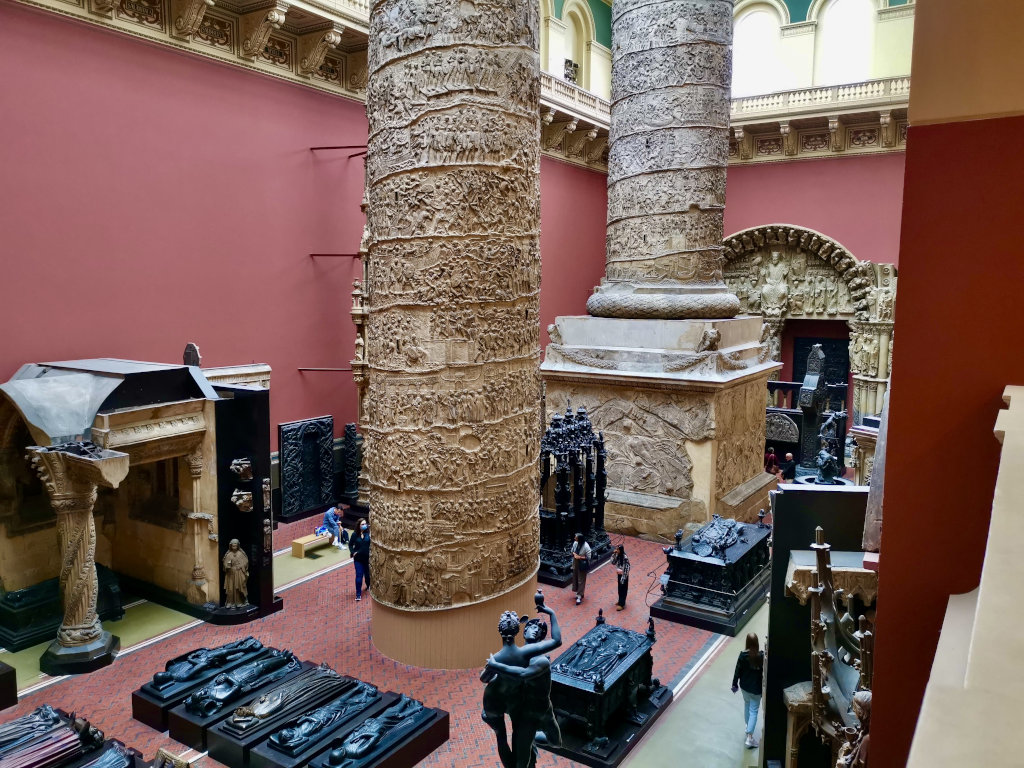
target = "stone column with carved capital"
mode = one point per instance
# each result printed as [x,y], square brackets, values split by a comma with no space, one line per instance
[669,147]
[197,592]
[71,473]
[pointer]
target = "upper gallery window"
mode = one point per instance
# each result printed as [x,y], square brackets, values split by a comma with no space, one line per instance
[844,42]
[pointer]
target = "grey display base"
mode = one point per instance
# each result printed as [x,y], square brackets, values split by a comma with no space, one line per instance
[60,660]
[712,620]
[622,737]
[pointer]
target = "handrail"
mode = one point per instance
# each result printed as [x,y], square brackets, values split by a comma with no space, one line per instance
[888,91]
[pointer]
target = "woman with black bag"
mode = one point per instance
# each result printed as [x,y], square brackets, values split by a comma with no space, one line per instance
[580,566]
[621,563]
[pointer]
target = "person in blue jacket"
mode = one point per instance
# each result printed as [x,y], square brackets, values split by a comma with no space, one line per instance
[332,522]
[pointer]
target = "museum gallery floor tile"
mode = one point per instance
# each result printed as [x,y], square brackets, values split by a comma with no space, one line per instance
[321,621]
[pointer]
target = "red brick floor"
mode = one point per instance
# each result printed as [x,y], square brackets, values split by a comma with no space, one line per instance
[322,622]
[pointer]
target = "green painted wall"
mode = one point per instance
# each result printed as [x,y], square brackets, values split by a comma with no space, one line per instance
[797,10]
[602,20]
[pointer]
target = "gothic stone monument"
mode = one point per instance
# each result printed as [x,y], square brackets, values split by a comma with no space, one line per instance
[452,403]
[665,369]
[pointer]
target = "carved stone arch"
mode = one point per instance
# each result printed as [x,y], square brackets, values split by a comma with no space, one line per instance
[858,276]
[743,7]
[815,277]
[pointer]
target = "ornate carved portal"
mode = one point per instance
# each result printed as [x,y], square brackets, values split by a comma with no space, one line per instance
[782,272]
[452,405]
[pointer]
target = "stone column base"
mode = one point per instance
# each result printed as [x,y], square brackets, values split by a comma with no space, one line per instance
[451,638]
[75,659]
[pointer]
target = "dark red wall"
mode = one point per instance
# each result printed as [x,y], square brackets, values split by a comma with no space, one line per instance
[154,198]
[573,212]
[957,322]
[854,200]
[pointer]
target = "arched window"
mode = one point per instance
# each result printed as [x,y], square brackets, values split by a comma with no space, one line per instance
[844,42]
[579,33]
[757,63]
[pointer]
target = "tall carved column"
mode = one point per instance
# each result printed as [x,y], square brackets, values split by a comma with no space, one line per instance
[669,147]
[70,473]
[674,380]
[452,437]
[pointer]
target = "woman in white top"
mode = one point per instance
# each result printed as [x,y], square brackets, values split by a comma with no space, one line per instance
[580,566]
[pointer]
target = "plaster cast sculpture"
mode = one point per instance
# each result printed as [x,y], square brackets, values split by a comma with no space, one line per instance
[452,324]
[242,468]
[375,735]
[310,727]
[236,576]
[518,682]
[193,664]
[669,145]
[231,686]
[287,701]
[24,729]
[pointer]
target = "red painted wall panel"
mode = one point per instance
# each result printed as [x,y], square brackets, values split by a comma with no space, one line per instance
[573,212]
[957,321]
[153,198]
[854,200]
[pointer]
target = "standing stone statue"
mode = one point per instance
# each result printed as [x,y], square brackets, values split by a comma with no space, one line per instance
[453,399]
[236,576]
[668,150]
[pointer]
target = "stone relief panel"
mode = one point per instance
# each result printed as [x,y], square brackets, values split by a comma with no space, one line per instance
[781,428]
[788,282]
[671,148]
[671,23]
[666,192]
[307,464]
[452,402]
[645,435]
[739,414]
[680,65]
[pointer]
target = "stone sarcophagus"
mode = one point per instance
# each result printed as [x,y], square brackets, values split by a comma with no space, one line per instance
[573,479]
[715,576]
[604,695]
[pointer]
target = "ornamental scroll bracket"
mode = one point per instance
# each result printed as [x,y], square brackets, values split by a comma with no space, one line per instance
[187,16]
[256,27]
[313,48]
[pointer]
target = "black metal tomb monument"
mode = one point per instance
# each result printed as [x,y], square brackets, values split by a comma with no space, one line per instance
[604,695]
[716,576]
[573,480]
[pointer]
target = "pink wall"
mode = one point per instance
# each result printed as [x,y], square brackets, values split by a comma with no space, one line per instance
[854,200]
[573,212]
[155,198]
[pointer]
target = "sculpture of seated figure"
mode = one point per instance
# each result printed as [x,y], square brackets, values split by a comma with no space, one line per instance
[194,663]
[24,729]
[828,466]
[312,725]
[231,686]
[374,734]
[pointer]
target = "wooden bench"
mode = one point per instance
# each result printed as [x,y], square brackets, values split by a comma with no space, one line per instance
[306,543]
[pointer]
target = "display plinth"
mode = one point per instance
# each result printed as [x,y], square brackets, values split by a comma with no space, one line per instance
[76,659]
[681,405]
[716,577]
[152,702]
[603,694]
[430,730]
[559,577]
[266,755]
[190,728]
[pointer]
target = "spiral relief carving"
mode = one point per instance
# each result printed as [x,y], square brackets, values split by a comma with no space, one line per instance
[452,404]
[668,151]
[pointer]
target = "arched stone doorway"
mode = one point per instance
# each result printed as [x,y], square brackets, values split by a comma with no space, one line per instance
[783,272]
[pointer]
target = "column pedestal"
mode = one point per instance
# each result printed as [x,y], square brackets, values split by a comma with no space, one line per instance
[681,406]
